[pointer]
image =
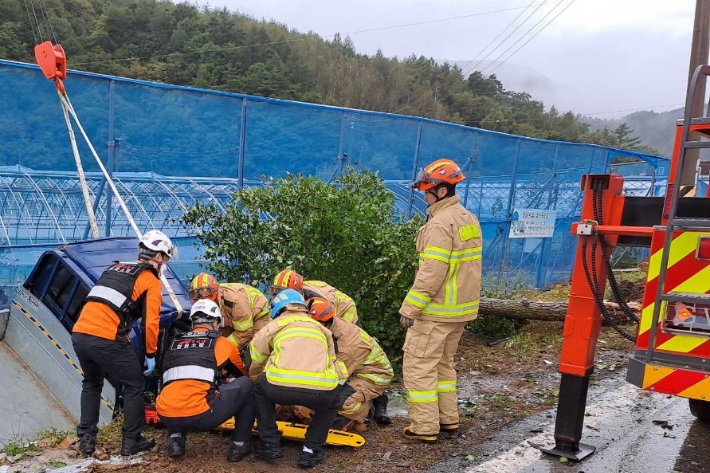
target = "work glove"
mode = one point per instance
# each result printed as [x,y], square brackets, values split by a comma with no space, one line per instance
[149,365]
[406,322]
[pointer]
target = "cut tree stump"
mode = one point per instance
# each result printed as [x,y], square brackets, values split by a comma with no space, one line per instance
[543,310]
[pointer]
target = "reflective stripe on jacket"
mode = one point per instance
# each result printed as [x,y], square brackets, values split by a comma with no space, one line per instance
[296,351]
[447,286]
[362,355]
[241,305]
[344,305]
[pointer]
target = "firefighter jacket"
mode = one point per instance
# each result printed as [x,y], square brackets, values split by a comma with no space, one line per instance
[294,350]
[344,305]
[124,293]
[361,353]
[241,306]
[190,369]
[447,285]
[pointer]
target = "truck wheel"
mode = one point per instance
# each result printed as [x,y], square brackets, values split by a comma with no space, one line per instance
[700,409]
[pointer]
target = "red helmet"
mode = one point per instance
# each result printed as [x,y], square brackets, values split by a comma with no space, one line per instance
[288,279]
[204,286]
[439,172]
[320,309]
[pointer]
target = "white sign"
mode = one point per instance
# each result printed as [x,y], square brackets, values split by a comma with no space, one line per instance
[532,223]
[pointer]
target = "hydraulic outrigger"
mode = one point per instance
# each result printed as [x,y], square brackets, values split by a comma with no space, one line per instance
[673,338]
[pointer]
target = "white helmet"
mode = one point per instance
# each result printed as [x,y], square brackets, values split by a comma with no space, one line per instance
[155,240]
[205,311]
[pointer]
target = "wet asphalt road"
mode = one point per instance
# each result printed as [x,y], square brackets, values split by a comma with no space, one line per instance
[634,432]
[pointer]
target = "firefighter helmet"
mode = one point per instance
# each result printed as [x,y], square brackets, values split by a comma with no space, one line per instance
[204,286]
[320,309]
[205,311]
[284,298]
[158,242]
[288,279]
[441,171]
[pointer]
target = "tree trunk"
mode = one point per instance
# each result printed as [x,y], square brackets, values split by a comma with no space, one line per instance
[540,310]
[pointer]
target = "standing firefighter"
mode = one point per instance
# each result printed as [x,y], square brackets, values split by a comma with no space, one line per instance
[294,363]
[443,298]
[369,368]
[244,308]
[344,305]
[191,398]
[124,293]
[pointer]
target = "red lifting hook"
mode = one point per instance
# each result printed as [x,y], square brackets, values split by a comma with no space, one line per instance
[53,62]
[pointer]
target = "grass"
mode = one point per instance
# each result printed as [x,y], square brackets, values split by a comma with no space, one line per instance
[44,439]
[529,344]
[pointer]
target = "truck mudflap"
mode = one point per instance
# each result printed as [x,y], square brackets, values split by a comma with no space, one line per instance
[44,345]
[676,380]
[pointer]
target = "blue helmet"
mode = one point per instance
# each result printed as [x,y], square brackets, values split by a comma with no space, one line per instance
[284,298]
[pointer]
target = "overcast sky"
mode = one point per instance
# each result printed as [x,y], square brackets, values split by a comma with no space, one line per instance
[596,56]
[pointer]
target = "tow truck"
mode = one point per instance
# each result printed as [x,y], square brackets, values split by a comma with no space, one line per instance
[672,342]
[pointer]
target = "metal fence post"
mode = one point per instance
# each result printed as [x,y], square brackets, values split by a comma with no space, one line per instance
[242,143]
[511,205]
[415,170]
[112,145]
[546,242]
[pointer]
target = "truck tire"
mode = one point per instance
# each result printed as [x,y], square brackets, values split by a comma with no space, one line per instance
[700,409]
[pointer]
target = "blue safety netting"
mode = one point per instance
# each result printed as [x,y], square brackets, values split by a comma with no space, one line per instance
[172,146]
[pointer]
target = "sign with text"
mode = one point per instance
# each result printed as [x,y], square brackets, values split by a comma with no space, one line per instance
[532,223]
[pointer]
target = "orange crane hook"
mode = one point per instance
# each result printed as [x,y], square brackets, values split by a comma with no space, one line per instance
[53,62]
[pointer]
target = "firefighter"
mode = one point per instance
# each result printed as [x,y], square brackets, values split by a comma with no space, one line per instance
[344,304]
[293,362]
[443,298]
[370,372]
[191,399]
[124,293]
[244,308]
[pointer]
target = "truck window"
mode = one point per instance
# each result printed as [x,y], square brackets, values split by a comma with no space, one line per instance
[60,288]
[77,302]
[37,282]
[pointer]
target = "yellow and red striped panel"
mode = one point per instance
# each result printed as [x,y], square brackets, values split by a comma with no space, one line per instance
[678,382]
[685,274]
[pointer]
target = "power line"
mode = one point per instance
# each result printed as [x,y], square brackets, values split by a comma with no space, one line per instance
[533,36]
[463,69]
[306,38]
[516,42]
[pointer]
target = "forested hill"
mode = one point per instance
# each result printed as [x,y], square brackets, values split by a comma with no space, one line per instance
[217,49]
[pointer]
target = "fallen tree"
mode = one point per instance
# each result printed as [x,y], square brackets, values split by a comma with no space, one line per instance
[543,310]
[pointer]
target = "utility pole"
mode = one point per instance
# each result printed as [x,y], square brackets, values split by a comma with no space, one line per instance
[698,55]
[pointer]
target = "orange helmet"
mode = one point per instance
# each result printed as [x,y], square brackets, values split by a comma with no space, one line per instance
[204,286]
[288,279]
[320,309]
[439,172]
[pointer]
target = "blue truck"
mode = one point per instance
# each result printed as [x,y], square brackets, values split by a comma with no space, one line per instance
[37,331]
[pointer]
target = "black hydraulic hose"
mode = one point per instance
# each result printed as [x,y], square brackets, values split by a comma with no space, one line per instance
[598,297]
[613,284]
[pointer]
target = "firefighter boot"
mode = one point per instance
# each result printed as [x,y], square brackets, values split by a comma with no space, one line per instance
[380,407]
[87,444]
[176,445]
[136,445]
[309,458]
[238,450]
[268,451]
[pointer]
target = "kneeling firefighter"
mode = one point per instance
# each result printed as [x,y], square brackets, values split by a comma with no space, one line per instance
[124,293]
[369,368]
[244,308]
[191,399]
[294,363]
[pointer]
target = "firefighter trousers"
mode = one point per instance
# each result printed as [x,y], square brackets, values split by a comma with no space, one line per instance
[101,358]
[356,398]
[429,375]
[235,399]
[324,403]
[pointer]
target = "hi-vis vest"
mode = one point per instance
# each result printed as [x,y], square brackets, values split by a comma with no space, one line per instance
[115,289]
[191,356]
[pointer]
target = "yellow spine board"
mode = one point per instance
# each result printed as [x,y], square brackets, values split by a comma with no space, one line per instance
[297,432]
